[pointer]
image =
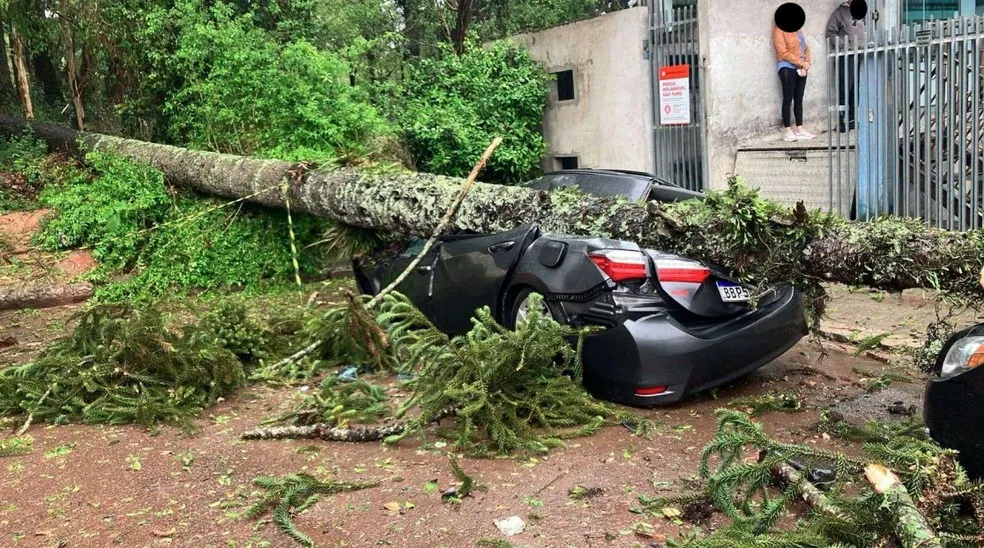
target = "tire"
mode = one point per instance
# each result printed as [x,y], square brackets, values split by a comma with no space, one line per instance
[518,307]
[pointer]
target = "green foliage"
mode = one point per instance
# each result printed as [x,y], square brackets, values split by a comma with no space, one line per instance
[870,342]
[245,93]
[108,211]
[767,403]
[21,160]
[747,493]
[511,390]
[18,445]
[22,154]
[454,106]
[292,494]
[874,382]
[501,18]
[339,403]
[466,483]
[759,238]
[123,365]
[165,242]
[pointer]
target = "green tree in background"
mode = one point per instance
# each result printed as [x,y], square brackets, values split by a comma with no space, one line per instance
[453,106]
[244,93]
[298,79]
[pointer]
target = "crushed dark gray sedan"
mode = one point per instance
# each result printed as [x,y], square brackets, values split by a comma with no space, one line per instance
[670,326]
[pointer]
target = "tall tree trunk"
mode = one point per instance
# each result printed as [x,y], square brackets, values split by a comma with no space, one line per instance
[6,74]
[891,254]
[461,25]
[20,69]
[68,40]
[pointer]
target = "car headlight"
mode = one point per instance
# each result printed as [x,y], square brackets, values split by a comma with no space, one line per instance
[964,355]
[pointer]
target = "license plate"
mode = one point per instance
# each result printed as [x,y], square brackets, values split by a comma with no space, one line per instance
[732,293]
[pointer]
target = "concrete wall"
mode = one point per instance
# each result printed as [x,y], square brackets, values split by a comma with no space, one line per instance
[609,124]
[741,86]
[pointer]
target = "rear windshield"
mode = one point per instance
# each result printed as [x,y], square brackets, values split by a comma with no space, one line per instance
[594,184]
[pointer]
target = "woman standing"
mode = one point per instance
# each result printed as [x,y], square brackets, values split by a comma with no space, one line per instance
[794,65]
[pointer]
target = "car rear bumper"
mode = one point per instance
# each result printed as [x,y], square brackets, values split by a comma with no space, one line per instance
[658,351]
[954,415]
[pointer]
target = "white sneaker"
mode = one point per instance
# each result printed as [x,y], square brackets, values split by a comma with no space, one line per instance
[789,136]
[805,136]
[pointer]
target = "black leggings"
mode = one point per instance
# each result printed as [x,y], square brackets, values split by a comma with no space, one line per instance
[793,87]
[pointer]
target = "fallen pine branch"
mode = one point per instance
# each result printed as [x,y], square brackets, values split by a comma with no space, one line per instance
[910,525]
[809,492]
[326,433]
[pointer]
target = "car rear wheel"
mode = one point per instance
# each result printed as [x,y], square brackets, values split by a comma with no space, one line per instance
[523,307]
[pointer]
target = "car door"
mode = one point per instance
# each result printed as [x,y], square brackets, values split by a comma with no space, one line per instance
[417,285]
[470,274]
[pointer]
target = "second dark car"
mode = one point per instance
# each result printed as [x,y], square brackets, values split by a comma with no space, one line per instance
[954,401]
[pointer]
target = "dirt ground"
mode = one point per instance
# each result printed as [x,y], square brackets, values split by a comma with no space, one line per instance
[97,486]
[107,486]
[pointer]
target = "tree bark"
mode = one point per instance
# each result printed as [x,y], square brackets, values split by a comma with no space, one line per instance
[20,69]
[6,74]
[892,254]
[325,432]
[910,526]
[71,69]
[462,23]
[44,296]
[809,492]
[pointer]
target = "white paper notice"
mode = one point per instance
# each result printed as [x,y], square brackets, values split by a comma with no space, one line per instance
[674,95]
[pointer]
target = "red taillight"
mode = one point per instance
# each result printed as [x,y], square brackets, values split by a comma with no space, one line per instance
[620,265]
[682,271]
[649,392]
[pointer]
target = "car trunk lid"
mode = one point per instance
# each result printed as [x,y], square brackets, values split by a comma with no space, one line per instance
[701,289]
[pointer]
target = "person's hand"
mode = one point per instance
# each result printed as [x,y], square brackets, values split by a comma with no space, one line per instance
[806,67]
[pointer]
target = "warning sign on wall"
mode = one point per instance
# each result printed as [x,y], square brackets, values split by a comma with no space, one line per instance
[674,95]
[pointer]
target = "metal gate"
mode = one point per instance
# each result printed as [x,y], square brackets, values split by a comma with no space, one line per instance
[913,148]
[679,147]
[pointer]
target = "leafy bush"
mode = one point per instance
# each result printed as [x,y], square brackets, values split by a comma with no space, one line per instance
[452,108]
[21,158]
[132,223]
[21,154]
[106,212]
[245,93]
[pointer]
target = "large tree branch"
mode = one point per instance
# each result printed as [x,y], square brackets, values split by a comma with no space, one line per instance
[761,240]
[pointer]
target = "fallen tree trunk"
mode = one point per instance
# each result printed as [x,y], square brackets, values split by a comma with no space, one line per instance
[761,240]
[44,296]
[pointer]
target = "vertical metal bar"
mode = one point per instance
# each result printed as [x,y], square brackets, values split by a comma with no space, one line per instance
[883,150]
[830,131]
[961,89]
[871,70]
[671,39]
[940,69]
[949,89]
[920,60]
[927,128]
[976,88]
[855,75]
[898,114]
[906,74]
[839,66]
[658,51]
[687,46]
